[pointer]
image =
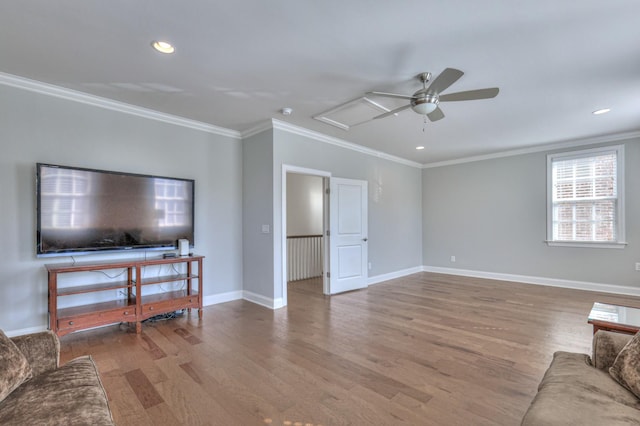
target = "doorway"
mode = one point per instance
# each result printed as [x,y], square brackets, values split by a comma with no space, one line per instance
[305,232]
[345,249]
[289,171]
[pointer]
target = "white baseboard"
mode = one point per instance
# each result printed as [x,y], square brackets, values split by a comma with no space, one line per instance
[392,275]
[208,300]
[278,303]
[29,330]
[214,299]
[261,300]
[526,279]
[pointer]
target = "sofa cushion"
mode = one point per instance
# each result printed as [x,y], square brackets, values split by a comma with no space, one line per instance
[626,367]
[606,347]
[14,367]
[70,395]
[573,392]
[42,350]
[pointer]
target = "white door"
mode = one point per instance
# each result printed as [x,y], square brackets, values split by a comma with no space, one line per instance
[348,235]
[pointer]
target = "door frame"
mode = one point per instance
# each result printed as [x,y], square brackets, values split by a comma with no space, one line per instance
[288,168]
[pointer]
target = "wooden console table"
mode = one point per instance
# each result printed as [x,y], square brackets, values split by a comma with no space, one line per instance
[133,305]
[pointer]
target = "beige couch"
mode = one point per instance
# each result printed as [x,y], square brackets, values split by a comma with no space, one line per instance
[35,390]
[578,390]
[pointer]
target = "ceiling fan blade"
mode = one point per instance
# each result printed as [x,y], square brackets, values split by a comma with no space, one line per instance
[436,114]
[392,112]
[444,80]
[391,95]
[470,95]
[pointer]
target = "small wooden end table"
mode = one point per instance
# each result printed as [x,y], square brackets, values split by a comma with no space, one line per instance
[621,319]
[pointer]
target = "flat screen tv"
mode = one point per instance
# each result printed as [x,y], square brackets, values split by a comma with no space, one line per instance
[82,211]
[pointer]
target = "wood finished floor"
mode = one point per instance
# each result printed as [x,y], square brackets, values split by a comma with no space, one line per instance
[427,349]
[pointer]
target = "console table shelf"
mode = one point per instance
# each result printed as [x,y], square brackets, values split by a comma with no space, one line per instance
[166,279]
[92,288]
[132,306]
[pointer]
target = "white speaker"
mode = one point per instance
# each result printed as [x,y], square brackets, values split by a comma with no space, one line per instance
[183,247]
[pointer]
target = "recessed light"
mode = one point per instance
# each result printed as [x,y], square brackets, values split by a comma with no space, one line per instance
[419,147]
[601,111]
[163,47]
[286,111]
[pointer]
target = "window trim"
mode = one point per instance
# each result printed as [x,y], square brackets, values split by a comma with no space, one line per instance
[620,243]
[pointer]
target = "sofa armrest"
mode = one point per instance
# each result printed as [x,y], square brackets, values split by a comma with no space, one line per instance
[42,350]
[606,346]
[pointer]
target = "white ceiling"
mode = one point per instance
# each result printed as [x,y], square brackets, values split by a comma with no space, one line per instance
[237,63]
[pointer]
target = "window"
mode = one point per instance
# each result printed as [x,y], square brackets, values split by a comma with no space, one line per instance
[65,199]
[585,198]
[171,199]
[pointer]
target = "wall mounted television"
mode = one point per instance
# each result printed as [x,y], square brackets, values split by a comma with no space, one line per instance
[84,211]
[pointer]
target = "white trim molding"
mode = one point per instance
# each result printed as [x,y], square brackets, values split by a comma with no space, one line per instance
[97,101]
[261,300]
[23,331]
[297,130]
[587,244]
[207,301]
[526,279]
[377,279]
[262,127]
[617,137]
[214,299]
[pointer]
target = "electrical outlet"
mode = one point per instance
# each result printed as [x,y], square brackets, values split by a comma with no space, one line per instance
[453,259]
[637,266]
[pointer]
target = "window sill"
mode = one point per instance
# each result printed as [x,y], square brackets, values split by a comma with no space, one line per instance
[587,244]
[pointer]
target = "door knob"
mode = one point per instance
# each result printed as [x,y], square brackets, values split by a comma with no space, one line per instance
[365,239]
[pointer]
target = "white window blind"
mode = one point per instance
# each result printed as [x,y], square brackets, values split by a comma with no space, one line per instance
[585,196]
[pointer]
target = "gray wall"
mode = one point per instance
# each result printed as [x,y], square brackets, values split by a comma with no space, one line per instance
[257,196]
[395,211]
[304,204]
[491,215]
[40,128]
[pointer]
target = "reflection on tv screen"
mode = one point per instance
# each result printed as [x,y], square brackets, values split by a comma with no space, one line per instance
[87,210]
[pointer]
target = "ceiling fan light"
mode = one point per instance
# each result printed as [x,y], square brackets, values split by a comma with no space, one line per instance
[163,47]
[424,108]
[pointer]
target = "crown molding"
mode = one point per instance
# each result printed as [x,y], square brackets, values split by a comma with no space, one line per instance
[87,99]
[291,128]
[263,126]
[573,143]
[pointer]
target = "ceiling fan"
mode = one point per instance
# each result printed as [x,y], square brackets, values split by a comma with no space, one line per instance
[426,100]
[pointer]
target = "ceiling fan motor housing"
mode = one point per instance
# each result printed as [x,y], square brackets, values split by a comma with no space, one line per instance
[425,103]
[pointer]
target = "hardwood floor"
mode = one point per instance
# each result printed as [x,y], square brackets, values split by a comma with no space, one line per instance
[427,349]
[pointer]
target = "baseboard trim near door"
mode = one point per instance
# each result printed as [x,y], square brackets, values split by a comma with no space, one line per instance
[261,300]
[214,299]
[393,275]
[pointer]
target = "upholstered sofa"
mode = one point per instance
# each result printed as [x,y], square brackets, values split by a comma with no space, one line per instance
[35,390]
[579,390]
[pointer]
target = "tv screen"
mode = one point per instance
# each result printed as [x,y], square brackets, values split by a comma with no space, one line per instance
[81,211]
